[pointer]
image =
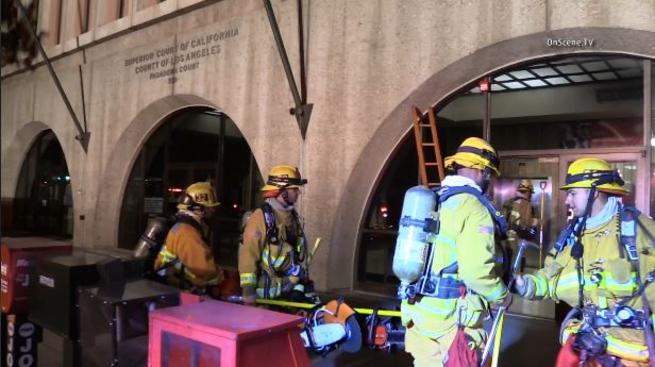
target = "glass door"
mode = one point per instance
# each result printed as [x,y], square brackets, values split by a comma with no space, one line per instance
[543,173]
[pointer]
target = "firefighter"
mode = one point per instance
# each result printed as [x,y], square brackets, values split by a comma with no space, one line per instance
[273,255]
[602,264]
[465,284]
[186,259]
[520,216]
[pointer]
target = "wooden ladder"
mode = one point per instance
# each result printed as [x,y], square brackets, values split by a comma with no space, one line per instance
[427,144]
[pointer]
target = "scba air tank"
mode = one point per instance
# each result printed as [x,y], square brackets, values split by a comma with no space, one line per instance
[411,251]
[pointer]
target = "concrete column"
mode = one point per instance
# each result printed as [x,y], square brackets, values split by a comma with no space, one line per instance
[142,4]
[128,8]
[107,11]
[76,18]
[90,23]
[49,21]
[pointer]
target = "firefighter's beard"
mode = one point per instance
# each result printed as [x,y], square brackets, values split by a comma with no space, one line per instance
[484,185]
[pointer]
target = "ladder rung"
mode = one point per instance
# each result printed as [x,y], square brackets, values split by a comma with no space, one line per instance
[427,144]
[424,125]
[434,183]
[431,163]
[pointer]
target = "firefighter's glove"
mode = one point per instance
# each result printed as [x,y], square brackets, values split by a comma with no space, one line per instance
[249,295]
[520,285]
[295,271]
[289,283]
[507,301]
[532,231]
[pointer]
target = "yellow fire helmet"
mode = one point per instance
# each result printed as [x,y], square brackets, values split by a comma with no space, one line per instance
[283,177]
[474,153]
[585,172]
[197,195]
[525,186]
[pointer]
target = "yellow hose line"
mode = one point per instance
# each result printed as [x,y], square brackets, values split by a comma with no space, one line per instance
[363,311]
[276,302]
[382,313]
[497,340]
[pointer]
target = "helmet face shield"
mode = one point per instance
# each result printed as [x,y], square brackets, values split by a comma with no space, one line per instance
[598,178]
[491,157]
[284,177]
[199,194]
[285,182]
[586,173]
[474,153]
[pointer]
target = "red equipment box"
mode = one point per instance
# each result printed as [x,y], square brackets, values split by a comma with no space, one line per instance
[16,265]
[215,333]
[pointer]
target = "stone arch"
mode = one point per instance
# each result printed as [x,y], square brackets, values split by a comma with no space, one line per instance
[14,159]
[436,90]
[123,156]
[14,156]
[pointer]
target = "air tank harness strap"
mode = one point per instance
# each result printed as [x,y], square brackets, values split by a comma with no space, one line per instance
[181,218]
[271,228]
[442,287]
[271,239]
[435,285]
[629,222]
[618,316]
[449,191]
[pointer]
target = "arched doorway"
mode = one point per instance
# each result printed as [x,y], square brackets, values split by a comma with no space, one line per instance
[43,201]
[540,115]
[193,144]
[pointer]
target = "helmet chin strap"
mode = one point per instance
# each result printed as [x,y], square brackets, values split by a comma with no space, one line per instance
[486,179]
[203,214]
[577,250]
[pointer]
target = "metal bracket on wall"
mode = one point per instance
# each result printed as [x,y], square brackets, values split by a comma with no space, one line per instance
[83,135]
[302,109]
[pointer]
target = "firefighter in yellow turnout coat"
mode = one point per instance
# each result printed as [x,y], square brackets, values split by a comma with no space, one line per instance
[520,215]
[521,219]
[186,257]
[273,255]
[611,296]
[464,259]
